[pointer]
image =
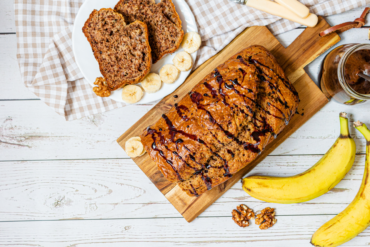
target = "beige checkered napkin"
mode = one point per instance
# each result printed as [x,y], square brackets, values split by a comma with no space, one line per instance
[48,68]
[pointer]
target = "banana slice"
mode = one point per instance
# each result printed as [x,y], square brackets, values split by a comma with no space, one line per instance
[151,83]
[183,61]
[134,147]
[169,73]
[132,94]
[191,42]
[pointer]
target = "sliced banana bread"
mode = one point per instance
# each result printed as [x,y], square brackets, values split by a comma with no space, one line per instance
[224,123]
[122,51]
[164,24]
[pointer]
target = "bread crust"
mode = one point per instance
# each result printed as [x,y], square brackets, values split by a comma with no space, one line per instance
[123,7]
[224,123]
[148,59]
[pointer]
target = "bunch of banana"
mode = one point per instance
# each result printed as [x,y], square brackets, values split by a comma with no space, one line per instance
[356,217]
[314,182]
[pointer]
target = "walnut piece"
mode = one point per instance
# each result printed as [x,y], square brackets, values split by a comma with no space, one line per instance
[102,89]
[266,218]
[242,214]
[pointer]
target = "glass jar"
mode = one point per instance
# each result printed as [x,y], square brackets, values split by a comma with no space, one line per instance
[339,79]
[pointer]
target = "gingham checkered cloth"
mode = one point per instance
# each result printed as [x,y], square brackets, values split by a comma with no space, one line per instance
[48,68]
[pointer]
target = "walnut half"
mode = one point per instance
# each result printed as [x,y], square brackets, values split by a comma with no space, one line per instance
[102,89]
[266,218]
[242,214]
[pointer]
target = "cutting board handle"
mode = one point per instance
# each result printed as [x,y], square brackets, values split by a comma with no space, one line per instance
[305,48]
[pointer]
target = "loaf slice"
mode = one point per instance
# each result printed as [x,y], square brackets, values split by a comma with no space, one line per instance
[224,123]
[122,51]
[164,24]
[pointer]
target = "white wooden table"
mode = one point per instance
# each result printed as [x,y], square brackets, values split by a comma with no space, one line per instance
[70,184]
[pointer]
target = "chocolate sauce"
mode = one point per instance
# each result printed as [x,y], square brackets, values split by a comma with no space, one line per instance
[154,147]
[235,82]
[231,153]
[173,132]
[358,62]
[207,181]
[220,81]
[184,108]
[263,78]
[281,112]
[194,192]
[196,98]
[286,83]
[177,154]
[177,143]
[210,88]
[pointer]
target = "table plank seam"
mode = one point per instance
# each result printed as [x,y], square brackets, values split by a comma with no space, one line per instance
[154,218]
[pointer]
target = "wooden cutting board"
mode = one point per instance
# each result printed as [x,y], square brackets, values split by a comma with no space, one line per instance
[307,47]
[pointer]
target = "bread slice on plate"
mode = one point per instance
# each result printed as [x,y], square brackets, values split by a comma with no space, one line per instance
[164,24]
[122,51]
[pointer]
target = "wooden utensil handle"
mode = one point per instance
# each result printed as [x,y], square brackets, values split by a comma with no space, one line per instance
[296,7]
[279,10]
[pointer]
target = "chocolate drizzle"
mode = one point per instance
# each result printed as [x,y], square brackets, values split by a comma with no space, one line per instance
[210,88]
[196,98]
[173,132]
[154,147]
[207,181]
[184,108]
[194,192]
[249,105]
[231,153]
[286,83]
[273,88]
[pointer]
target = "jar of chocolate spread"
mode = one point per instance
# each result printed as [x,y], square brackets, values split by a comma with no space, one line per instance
[339,77]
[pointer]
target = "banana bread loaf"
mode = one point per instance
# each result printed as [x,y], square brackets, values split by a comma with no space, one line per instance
[164,24]
[122,51]
[224,123]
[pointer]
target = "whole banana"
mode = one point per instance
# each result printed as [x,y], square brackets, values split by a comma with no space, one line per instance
[314,182]
[356,217]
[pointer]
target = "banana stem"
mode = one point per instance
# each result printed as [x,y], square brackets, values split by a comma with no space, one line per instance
[344,130]
[363,129]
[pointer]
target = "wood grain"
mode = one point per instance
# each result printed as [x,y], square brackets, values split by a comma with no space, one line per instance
[289,231]
[116,188]
[7,17]
[293,59]
[30,130]
[23,197]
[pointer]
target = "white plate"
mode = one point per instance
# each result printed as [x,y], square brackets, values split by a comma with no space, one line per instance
[89,66]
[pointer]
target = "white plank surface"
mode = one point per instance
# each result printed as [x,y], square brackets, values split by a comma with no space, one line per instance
[12,86]
[35,131]
[52,169]
[102,189]
[222,231]
[7,16]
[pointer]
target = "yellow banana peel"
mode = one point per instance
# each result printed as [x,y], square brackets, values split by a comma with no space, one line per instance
[356,217]
[314,182]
